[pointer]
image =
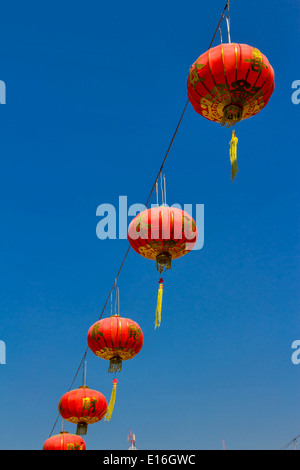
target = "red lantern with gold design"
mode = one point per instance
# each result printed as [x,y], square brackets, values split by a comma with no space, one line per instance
[162,234]
[229,83]
[82,406]
[115,339]
[64,441]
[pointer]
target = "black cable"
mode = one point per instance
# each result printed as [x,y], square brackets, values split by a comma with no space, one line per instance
[291,442]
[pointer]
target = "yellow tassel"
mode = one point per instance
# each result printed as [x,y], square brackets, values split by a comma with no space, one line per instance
[112,401]
[233,155]
[159,304]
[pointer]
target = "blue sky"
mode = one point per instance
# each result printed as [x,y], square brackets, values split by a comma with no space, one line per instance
[94,93]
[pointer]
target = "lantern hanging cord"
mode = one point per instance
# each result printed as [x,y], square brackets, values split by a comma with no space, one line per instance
[117,300]
[146,204]
[84,371]
[220,21]
[228,24]
[162,189]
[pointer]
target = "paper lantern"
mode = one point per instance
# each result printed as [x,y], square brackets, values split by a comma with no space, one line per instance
[115,339]
[229,83]
[162,234]
[64,441]
[82,406]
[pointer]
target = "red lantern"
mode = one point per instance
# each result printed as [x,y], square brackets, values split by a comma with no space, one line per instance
[162,234]
[64,441]
[115,339]
[229,83]
[82,407]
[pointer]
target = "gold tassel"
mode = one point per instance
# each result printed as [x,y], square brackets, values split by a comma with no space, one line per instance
[159,303]
[233,154]
[112,401]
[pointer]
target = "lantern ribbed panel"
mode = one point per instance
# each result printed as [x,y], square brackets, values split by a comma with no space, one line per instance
[64,441]
[162,230]
[82,405]
[115,336]
[230,74]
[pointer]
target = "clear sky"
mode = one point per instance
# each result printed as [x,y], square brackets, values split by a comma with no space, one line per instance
[94,93]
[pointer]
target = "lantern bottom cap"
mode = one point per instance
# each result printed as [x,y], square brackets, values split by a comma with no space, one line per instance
[232,113]
[81,429]
[115,364]
[163,262]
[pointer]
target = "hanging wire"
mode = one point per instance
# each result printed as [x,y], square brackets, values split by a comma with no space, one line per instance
[63,425]
[146,204]
[221,39]
[228,24]
[117,300]
[162,191]
[84,371]
[227,18]
[220,21]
